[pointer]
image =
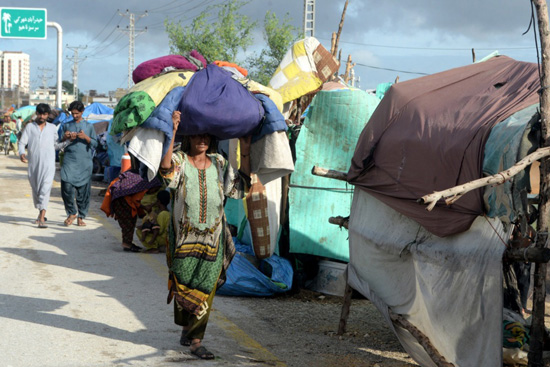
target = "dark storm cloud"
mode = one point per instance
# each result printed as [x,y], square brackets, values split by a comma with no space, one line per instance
[374,32]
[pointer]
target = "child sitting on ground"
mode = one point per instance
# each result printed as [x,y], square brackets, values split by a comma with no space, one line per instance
[155,239]
[149,205]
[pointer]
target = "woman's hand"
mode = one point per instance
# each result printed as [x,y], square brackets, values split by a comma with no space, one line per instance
[176,116]
[244,145]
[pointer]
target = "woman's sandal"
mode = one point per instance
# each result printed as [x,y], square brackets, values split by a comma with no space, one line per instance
[184,340]
[132,248]
[203,353]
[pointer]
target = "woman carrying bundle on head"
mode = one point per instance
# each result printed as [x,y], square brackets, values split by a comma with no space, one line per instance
[200,246]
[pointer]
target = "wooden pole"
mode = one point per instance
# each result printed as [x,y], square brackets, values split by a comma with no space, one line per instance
[528,254]
[473,55]
[454,193]
[349,66]
[329,173]
[334,51]
[539,295]
[422,339]
[340,221]
[344,313]
[333,44]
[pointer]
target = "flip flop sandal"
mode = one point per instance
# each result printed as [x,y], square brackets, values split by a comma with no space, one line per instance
[132,248]
[36,221]
[81,223]
[70,219]
[42,225]
[184,340]
[202,353]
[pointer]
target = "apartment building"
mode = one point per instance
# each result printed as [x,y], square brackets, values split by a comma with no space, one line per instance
[15,71]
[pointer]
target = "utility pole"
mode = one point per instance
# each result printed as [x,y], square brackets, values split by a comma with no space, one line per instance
[76,61]
[309,18]
[45,77]
[131,31]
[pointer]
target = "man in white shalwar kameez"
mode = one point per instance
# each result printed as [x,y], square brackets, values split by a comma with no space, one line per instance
[41,140]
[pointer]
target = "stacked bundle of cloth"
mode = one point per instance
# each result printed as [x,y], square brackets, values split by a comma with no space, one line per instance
[219,99]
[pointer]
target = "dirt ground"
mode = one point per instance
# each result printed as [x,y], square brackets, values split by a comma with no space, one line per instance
[304,321]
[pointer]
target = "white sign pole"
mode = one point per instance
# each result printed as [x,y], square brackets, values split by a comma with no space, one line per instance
[59,60]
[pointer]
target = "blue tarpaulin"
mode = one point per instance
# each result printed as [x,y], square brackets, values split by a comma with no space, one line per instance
[245,279]
[97,109]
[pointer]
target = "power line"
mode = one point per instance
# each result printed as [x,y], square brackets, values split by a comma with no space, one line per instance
[155,10]
[399,71]
[432,48]
[96,52]
[110,54]
[186,11]
[97,35]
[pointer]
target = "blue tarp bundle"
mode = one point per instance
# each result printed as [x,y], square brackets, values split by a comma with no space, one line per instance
[244,279]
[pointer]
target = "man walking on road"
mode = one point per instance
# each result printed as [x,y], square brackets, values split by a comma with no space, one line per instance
[76,170]
[41,140]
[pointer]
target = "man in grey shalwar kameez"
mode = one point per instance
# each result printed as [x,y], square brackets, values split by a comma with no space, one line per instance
[41,140]
[76,170]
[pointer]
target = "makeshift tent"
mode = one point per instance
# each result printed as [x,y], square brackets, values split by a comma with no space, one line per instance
[24,113]
[97,112]
[428,134]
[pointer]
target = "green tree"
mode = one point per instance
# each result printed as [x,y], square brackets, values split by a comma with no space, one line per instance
[68,86]
[219,40]
[279,38]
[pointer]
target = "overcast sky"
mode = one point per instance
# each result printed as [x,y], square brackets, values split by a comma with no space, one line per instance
[386,38]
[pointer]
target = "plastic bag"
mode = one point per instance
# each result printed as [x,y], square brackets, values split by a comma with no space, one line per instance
[245,279]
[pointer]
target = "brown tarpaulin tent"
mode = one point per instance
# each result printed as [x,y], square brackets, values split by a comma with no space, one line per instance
[428,134]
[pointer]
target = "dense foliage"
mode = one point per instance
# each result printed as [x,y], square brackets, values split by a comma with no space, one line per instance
[228,35]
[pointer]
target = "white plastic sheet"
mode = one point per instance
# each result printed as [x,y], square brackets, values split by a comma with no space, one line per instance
[449,288]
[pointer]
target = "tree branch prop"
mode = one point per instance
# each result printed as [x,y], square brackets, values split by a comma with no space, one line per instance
[340,221]
[329,173]
[527,254]
[453,194]
[422,339]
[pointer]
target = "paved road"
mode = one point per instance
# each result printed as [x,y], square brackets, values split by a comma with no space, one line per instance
[70,297]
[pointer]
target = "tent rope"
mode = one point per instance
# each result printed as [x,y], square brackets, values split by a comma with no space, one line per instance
[494,229]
